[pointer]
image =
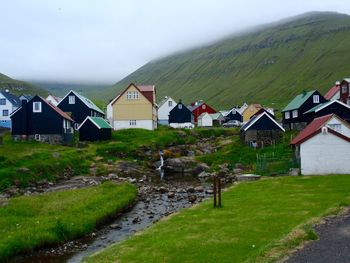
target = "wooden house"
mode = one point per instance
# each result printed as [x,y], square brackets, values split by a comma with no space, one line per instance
[181,117]
[95,129]
[79,107]
[164,107]
[199,107]
[234,115]
[261,130]
[334,92]
[135,107]
[39,120]
[250,111]
[205,120]
[293,117]
[345,91]
[8,104]
[337,107]
[323,147]
[218,118]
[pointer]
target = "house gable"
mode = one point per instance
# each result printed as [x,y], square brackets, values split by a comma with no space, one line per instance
[262,122]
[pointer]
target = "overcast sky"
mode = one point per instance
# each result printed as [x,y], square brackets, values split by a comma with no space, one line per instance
[101,41]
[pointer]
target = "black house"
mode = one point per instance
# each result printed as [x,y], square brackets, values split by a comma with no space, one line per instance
[234,115]
[293,114]
[39,120]
[95,129]
[79,107]
[181,117]
[337,107]
[261,130]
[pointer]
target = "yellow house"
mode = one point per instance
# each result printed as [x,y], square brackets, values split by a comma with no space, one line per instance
[134,108]
[250,111]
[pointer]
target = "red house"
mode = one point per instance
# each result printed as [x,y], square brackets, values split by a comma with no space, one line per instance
[344,91]
[200,107]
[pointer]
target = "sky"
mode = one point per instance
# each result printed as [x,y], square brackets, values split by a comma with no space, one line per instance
[102,41]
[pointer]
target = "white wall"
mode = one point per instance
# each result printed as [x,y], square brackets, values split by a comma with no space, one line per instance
[187,125]
[8,107]
[109,113]
[325,154]
[163,111]
[205,121]
[344,129]
[143,124]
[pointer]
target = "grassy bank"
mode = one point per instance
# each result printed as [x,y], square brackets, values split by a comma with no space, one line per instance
[29,222]
[254,218]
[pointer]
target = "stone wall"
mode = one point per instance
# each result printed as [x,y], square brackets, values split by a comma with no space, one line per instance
[262,138]
[47,138]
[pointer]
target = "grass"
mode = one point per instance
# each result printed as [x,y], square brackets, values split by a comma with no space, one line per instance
[30,222]
[255,219]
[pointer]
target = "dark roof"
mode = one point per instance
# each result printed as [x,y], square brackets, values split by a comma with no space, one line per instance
[324,105]
[332,92]
[253,120]
[85,100]
[298,100]
[13,99]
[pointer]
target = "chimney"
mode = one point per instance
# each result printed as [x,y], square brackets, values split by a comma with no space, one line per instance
[337,83]
[304,93]
[7,91]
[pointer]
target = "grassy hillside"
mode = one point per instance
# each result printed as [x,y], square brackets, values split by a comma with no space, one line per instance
[20,87]
[269,65]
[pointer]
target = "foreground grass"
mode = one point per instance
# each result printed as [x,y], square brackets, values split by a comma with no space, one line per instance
[255,217]
[29,222]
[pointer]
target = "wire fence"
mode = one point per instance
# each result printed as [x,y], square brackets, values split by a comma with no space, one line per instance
[270,164]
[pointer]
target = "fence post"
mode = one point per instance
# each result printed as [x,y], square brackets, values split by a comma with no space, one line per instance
[219,190]
[214,192]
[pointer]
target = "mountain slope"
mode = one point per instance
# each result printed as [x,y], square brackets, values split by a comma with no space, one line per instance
[20,87]
[268,65]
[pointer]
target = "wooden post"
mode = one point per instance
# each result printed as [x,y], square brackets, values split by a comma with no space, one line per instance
[214,191]
[219,191]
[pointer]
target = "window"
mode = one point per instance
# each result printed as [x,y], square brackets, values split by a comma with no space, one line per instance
[295,113]
[344,89]
[37,137]
[132,95]
[203,107]
[71,99]
[335,127]
[128,95]
[287,115]
[37,106]
[2,101]
[5,112]
[179,106]
[170,103]
[316,99]
[132,122]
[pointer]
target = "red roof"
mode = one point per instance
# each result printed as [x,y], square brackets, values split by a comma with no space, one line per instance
[146,87]
[332,92]
[58,110]
[314,128]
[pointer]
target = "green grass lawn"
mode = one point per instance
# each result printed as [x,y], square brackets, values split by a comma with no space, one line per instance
[255,217]
[29,222]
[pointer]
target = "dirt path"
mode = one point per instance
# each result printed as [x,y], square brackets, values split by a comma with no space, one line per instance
[333,245]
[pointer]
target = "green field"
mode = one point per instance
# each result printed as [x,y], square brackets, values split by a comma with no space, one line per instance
[259,222]
[30,222]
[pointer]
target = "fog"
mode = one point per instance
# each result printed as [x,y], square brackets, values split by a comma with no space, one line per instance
[85,41]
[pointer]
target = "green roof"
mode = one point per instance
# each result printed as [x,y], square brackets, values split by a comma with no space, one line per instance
[298,100]
[316,107]
[101,123]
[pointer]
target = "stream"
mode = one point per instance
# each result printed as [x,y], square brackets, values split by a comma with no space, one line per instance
[156,202]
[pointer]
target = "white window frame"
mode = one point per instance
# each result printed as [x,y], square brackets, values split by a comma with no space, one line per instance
[76,126]
[71,99]
[179,106]
[7,113]
[37,137]
[170,103]
[204,106]
[39,106]
[132,122]
[316,98]
[344,89]
[3,99]
[295,113]
[287,115]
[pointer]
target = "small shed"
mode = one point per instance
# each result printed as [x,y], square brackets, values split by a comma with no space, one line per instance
[95,129]
[205,120]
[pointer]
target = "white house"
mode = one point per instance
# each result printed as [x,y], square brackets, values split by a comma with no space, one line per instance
[8,104]
[324,146]
[164,107]
[205,120]
[53,99]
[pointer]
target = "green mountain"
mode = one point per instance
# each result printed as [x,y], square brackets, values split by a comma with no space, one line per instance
[268,65]
[20,87]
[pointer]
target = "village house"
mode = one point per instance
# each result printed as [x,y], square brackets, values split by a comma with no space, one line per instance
[181,117]
[8,104]
[79,107]
[39,120]
[135,107]
[218,118]
[198,107]
[345,91]
[323,146]
[249,111]
[164,107]
[205,120]
[334,92]
[293,117]
[261,130]
[53,99]
[234,115]
[25,97]
[95,129]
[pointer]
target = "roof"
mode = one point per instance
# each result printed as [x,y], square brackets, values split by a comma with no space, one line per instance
[203,114]
[298,101]
[85,100]
[347,79]
[216,116]
[253,120]
[99,122]
[13,99]
[147,87]
[165,99]
[57,99]
[143,89]
[329,95]
[326,104]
